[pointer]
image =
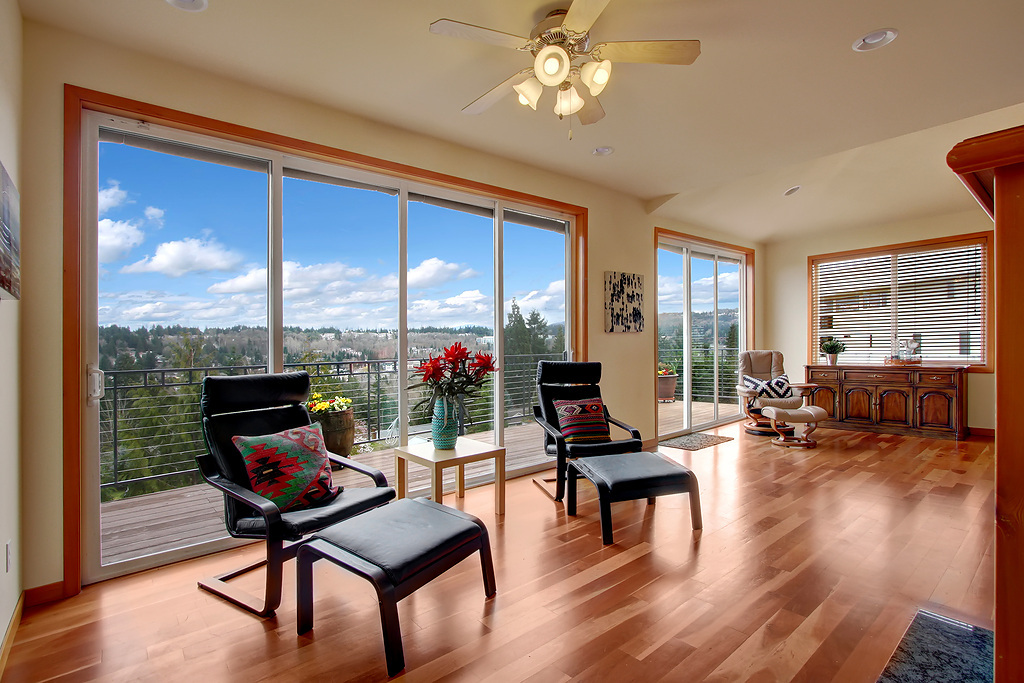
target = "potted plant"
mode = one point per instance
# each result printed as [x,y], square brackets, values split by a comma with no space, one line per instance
[831,347]
[335,416]
[450,377]
[667,378]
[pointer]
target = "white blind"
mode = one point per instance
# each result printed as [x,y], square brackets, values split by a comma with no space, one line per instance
[935,296]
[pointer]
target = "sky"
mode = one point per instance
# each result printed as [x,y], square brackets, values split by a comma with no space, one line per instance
[671,295]
[184,242]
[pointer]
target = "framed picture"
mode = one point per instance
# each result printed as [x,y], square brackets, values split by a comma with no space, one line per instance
[10,239]
[623,302]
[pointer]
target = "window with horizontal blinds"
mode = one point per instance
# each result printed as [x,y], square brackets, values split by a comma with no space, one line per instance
[935,295]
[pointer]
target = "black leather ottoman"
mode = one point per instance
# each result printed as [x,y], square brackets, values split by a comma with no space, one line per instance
[399,548]
[631,476]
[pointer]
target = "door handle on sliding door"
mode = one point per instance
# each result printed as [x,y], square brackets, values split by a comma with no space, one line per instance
[95,384]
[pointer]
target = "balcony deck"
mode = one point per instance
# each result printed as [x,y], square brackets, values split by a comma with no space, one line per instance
[156,522]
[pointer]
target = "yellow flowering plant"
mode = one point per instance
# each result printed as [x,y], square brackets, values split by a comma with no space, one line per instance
[318,405]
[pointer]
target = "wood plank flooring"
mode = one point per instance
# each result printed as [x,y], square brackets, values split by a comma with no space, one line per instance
[810,566]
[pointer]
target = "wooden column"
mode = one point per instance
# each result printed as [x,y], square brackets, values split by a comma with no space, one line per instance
[992,168]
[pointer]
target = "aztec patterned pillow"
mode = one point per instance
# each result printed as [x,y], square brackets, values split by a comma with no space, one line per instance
[777,387]
[289,468]
[582,421]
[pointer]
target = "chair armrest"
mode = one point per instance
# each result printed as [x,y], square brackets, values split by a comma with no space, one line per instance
[550,429]
[746,392]
[802,388]
[634,433]
[378,477]
[271,513]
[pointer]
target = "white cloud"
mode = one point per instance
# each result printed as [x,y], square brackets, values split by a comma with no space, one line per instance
[155,215]
[299,281]
[116,238]
[111,196]
[433,272]
[189,255]
[468,308]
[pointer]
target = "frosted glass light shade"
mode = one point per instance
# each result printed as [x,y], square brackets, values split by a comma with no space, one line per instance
[595,75]
[568,102]
[529,92]
[551,65]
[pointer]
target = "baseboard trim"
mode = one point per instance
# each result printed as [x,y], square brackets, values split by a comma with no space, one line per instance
[982,431]
[12,630]
[39,595]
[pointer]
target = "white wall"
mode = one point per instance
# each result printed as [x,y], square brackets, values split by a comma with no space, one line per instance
[784,291]
[621,232]
[10,403]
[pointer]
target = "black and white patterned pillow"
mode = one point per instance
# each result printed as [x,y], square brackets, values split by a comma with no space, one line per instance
[777,387]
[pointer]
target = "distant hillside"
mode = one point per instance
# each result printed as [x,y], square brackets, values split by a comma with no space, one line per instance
[672,324]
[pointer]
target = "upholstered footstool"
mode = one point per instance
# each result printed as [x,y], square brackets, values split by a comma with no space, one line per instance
[399,548]
[631,476]
[808,416]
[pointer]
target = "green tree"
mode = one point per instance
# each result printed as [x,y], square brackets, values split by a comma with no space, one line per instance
[537,326]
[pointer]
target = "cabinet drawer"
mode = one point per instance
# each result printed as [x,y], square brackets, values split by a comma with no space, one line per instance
[935,378]
[825,375]
[876,376]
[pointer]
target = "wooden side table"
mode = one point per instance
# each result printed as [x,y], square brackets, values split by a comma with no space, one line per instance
[466,451]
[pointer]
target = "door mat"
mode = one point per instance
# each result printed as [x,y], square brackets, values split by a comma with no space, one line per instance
[695,441]
[937,649]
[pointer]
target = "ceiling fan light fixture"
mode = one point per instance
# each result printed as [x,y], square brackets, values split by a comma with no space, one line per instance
[551,65]
[595,75]
[568,102]
[529,92]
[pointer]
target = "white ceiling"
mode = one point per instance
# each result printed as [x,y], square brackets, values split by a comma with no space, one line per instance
[777,98]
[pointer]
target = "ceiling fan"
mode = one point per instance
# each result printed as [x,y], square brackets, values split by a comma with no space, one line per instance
[561,38]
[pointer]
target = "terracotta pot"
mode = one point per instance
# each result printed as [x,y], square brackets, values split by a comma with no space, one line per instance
[339,430]
[667,387]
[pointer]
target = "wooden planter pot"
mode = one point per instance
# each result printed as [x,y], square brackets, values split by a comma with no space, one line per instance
[339,431]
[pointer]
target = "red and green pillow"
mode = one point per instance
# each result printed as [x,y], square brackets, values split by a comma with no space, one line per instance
[290,468]
[582,421]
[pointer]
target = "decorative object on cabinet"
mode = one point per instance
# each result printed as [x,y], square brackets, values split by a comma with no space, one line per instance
[921,400]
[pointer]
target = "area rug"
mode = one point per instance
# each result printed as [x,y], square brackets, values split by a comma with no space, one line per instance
[695,441]
[936,649]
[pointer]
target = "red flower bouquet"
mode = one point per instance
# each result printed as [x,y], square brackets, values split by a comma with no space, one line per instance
[454,373]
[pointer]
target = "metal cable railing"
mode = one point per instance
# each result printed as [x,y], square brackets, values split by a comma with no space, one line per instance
[150,426]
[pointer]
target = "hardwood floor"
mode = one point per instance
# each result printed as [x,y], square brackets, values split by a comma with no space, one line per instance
[810,566]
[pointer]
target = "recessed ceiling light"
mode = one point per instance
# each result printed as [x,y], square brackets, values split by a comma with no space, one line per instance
[875,40]
[791,191]
[189,5]
[603,151]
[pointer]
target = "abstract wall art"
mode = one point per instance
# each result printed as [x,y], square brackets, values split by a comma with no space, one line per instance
[623,302]
[10,239]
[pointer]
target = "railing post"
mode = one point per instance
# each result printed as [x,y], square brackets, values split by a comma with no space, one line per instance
[113,429]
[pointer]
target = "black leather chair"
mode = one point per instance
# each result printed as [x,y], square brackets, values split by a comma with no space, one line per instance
[253,405]
[568,380]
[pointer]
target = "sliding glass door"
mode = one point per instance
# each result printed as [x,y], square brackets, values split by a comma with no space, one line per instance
[701,314]
[210,257]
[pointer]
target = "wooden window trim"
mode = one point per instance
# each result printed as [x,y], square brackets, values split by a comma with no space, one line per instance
[77,100]
[985,238]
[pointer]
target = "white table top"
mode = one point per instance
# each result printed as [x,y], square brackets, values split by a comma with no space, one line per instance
[464,448]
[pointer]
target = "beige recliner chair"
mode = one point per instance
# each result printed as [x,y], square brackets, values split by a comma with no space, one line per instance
[767,366]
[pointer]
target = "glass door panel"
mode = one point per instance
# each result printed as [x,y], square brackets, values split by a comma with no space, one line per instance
[673,405]
[535,314]
[703,339]
[450,282]
[340,308]
[728,324]
[180,231]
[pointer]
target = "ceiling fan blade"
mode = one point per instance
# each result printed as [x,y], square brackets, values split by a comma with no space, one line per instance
[457,29]
[489,98]
[582,14]
[649,51]
[592,112]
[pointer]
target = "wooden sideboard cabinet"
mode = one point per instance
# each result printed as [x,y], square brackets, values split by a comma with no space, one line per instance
[923,400]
